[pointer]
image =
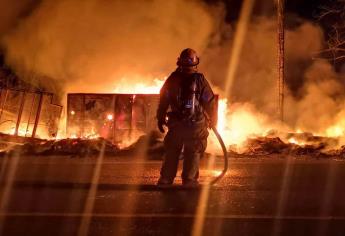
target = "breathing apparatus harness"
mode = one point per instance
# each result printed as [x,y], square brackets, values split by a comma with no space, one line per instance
[187,99]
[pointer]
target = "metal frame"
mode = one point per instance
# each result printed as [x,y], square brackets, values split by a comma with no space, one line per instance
[19,117]
[37,112]
[113,107]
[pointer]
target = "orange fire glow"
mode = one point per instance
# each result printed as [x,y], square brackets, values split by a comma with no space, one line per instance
[137,86]
[110,117]
[235,126]
[238,125]
[336,130]
[295,141]
[22,131]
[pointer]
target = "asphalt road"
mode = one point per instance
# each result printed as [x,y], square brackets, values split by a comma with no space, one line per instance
[259,196]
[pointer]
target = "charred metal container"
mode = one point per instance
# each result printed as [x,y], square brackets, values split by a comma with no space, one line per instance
[28,114]
[112,116]
[116,117]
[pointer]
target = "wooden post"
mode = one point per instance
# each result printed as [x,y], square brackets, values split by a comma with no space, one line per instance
[38,115]
[20,113]
[132,100]
[68,113]
[30,113]
[3,104]
[83,108]
[281,56]
[114,118]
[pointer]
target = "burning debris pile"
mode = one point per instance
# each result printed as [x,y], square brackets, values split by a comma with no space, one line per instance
[303,144]
[79,147]
[63,147]
[150,146]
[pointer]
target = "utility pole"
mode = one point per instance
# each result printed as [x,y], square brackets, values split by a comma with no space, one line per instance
[281,56]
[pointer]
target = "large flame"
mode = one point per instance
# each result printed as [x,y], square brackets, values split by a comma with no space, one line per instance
[337,129]
[235,127]
[138,85]
[237,124]
[24,130]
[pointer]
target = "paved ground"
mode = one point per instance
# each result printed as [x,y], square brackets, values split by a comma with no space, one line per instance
[279,196]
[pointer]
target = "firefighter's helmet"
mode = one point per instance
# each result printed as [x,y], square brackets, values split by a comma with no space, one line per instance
[188,58]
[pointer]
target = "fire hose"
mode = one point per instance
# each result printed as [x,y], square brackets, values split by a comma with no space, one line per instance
[225,156]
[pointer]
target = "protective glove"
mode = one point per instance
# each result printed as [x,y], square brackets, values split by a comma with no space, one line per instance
[161,126]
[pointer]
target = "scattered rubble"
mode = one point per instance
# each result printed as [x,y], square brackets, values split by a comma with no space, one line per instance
[70,147]
[312,146]
[151,146]
[265,146]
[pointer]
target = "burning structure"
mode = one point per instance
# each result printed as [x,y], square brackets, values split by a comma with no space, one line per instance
[116,117]
[120,118]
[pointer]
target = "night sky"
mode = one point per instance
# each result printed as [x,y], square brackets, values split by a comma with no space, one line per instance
[304,8]
[295,10]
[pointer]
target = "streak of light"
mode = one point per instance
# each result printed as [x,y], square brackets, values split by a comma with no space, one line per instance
[241,29]
[283,196]
[203,200]
[8,184]
[90,200]
[3,166]
[132,203]
[328,194]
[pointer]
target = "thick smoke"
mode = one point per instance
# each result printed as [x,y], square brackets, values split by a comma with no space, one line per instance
[256,77]
[322,101]
[12,12]
[314,92]
[91,45]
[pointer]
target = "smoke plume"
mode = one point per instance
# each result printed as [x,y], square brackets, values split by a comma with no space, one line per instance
[314,92]
[89,45]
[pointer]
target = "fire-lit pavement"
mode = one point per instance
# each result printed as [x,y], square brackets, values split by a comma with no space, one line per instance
[259,196]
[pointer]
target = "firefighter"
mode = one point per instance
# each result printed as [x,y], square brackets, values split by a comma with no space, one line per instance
[187,107]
